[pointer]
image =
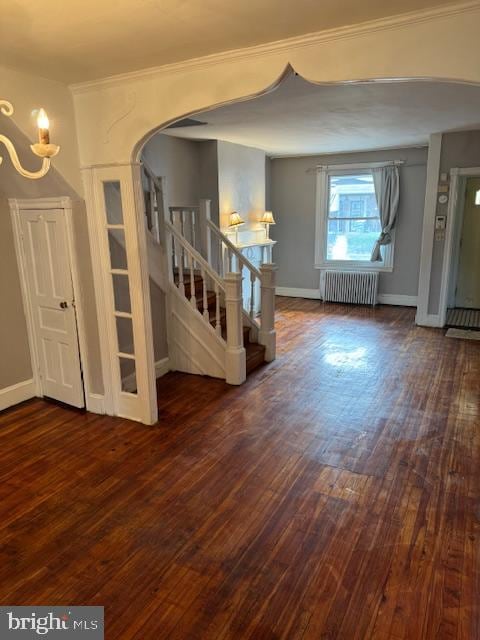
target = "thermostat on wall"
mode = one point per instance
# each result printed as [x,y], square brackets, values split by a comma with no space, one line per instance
[443,199]
[440,222]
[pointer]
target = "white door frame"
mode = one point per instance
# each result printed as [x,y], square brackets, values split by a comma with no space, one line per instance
[141,406]
[426,254]
[452,219]
[65,203]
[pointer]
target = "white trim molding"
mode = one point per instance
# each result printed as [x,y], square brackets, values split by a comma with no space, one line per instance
[430,210]
[284,46]
[431,320]
[321,215]
[293,292]
[17,393]
[314,294]
[95,403]
[162,367]
[452,222]
[399,300]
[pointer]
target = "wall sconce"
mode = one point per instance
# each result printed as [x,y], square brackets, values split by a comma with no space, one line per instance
[234,222]
[42,149]
[267,219]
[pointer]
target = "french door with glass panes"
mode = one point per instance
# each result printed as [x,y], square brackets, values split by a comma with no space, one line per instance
[121,265]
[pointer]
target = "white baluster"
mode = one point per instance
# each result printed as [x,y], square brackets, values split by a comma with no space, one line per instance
[252,295]
[229,254]
[204,230]
[218,326]
[193,293]
[192,229]
[181,283]
[182,222]
[206,314]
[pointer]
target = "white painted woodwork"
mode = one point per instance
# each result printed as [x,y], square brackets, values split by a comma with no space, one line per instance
[194,269]
[50,298]
[267,334]
[129,369]
[235,356]
[195,347]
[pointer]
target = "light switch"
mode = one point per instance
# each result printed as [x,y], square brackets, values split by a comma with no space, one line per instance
[440,222]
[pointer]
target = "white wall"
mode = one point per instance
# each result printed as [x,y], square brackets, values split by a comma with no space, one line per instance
[241,182]
[116,116]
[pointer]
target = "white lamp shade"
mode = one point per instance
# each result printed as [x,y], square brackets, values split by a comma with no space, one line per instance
[267,218]
[235,219]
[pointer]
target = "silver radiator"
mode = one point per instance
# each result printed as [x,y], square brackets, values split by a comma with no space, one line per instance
[356,287]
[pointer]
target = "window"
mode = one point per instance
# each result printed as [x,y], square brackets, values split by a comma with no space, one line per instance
[348,222]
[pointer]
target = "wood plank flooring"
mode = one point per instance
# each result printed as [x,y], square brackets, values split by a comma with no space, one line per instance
[334,495]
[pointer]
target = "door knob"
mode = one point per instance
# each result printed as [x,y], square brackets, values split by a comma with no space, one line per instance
[63,305]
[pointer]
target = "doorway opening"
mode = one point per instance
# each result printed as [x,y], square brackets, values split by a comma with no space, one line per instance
[463,298]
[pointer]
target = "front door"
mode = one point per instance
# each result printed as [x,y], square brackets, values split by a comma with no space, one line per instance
[468,280]
[50,292]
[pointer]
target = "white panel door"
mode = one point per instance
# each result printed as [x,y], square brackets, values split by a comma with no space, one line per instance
[50,289]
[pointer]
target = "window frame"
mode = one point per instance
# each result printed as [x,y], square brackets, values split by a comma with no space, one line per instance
[321,222]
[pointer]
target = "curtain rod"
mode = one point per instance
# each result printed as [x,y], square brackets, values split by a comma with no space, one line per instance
[403,163]
[354,165]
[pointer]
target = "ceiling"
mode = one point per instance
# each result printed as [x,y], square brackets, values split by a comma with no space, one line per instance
[72,41]
[302,118]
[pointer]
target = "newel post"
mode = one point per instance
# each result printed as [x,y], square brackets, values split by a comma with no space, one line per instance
[267,334]
[204,215]
[235,357]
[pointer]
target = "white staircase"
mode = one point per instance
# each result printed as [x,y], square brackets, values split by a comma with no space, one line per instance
[211,329]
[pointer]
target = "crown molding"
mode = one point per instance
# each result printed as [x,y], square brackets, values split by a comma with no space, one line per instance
[280,46]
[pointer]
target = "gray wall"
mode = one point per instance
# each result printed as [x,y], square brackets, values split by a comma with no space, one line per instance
[459,150]
[14,351]
[178,161]
[292,199]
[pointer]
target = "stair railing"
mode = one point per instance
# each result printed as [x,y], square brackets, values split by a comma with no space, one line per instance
[154,196]
[186,264]
[258,298]
[202,245]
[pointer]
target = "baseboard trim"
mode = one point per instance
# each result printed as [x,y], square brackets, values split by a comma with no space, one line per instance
[162,367]
[430,320]
[314,294]
[397,300]
[292,292]
[95,403]
[17,393]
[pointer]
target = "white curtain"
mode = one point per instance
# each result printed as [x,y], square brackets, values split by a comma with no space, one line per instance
[387,191]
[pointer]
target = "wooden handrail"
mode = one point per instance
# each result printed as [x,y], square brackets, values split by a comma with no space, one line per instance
[151,175]
[195,255]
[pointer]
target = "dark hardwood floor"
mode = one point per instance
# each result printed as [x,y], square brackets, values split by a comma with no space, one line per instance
[334,495]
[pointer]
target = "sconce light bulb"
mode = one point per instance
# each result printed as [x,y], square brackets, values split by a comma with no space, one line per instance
[42,120]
